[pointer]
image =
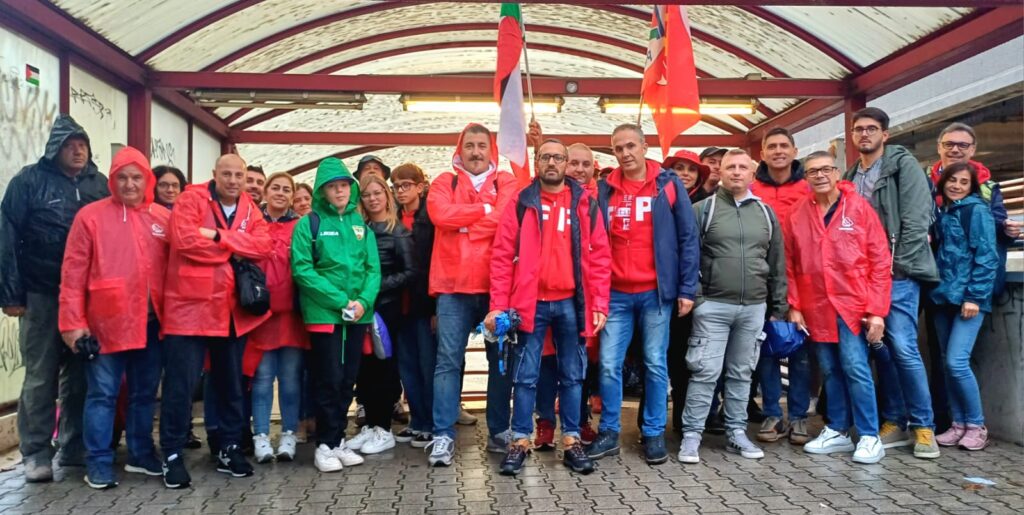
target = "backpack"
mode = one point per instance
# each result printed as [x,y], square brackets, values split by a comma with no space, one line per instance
[314,229]
[704,220]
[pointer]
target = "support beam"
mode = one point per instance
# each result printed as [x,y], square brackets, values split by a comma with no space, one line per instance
[188,107]
[191,152]
[798,117]
[483,84]
[64,89]
[140,107]
[969,36]
[449,139]
[851,105]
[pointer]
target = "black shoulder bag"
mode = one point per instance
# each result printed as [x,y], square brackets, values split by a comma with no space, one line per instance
[250,283]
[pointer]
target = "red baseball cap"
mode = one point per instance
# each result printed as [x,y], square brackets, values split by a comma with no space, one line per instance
[685,155]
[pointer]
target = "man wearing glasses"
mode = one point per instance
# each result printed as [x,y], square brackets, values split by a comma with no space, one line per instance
[890,177]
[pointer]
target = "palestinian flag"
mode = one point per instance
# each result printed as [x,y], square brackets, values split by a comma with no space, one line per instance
[31,75]
[508,92]
[670,76]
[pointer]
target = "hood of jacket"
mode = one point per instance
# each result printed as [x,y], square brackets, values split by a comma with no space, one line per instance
[332,169]
[457,159]
[970,200]
[129,156]
[63,128]
[796,173]
[653,170]
[984,173]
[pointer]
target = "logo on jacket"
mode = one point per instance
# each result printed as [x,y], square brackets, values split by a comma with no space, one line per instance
[360,231]
[245,223]
[846,225]
[563,218]
[158,231]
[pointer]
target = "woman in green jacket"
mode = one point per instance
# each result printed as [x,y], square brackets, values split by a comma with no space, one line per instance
[337,270]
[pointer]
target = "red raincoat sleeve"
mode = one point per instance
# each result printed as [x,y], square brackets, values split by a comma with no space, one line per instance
[879,275]
[443,210]
[789,244]
[600,275]
[255,243]
[485,228]
[186,219]
[502,265]
[74,274]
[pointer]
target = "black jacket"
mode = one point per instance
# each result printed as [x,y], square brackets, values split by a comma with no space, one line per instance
[36,215]
[421,303]
[397,263]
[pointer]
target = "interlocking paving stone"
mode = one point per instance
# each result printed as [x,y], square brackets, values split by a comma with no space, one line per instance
[785,481]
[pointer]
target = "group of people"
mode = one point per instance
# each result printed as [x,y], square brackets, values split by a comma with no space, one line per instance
[377,279]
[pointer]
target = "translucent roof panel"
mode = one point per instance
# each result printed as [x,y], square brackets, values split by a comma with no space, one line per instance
[868,34]
[482,60]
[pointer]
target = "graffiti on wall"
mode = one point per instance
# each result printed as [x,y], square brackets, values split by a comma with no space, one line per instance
[161,152]
[81,96]
[26,114]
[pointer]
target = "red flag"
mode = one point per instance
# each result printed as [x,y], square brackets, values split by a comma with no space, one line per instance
[508,92]
[670,77]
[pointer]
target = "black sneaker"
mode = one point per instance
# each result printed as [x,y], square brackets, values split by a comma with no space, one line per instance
[715,424]
[513,462]
[576,458]
[175,474]
[654,449]
[232,461]
[606,444]
[193,441]
[422,440]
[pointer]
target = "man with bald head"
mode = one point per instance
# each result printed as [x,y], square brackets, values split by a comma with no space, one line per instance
[212,224]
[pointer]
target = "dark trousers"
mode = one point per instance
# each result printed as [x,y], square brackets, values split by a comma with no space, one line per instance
[335,367]
[379,384]
[183,361]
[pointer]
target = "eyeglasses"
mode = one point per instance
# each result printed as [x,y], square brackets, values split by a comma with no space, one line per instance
[870,130]
[404,186]
[824,170]
[948,145]
[543,158]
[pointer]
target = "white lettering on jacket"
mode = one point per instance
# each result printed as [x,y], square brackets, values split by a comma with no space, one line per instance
[563,216]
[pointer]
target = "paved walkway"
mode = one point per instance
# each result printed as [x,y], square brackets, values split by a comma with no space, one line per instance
[785,481]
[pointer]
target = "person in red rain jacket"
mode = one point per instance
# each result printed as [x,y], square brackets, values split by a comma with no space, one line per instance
[211,224]
[276,348]
[552,266]
[111,286]
[465,206]
[837,265]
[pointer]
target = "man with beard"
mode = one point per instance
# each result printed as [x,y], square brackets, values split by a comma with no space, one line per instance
[890,177]
[566,290]
[254,181]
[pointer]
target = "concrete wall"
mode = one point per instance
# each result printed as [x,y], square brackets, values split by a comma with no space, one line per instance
[998,360]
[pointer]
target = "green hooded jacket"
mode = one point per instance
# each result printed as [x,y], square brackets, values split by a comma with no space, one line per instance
[347,266]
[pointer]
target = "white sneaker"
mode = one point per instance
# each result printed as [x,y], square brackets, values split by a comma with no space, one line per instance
[348,457]
[465,418]
[829,441]
[262,450]
[356,442]
[325,460]
[869,450]
[286,446]
[381,441]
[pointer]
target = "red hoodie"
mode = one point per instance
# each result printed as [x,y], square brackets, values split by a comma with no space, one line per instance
[465,221]
[114,264]
[631,229]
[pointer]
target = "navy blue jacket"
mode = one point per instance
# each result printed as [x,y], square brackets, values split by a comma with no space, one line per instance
[676,254]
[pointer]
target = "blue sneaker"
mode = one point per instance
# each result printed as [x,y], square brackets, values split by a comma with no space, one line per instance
[654,449]
[148,465]
[606,444]
[100,477]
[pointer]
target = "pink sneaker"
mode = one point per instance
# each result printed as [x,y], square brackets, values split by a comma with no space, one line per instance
[975,438]
[952,436]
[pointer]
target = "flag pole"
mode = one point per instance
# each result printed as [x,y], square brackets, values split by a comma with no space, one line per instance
[526,61]
[640,108]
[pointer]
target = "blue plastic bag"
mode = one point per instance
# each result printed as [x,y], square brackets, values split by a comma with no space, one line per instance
[381,338]
[782,339]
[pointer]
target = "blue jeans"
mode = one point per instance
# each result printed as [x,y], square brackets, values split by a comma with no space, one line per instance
[458,314]
[183,362]
[285,365]
[417,355]
[848,383]
[547,388]
[799,394]
[103,376]
[572,362]
[652,315]
[903,379]
[956,342]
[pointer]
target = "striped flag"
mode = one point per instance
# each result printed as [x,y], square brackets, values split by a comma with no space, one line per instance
[31,74]
[670,76]
[508,92]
